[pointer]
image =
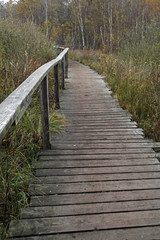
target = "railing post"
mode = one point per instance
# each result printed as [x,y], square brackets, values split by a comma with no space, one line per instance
[62,68]
[66,65]
[45,112]
[56,87]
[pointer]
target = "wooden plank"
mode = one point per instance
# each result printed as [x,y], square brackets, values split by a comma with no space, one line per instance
[98,151]
[93,111]
[97,170]
[143,233]
[114,112]
[107,145]
[66,65]
[45,113]
[96,177]
[103,125]
[104,146]
[87,187]
[87,106]
[56,87]
[82,223]
[45,156]
[85,209]
[99,126]
[59,142]
[62,73]
[97,142]
[99,137]
[110,132]
[100,121]
[106,131]
[107,117]
[79,198]
[93,163]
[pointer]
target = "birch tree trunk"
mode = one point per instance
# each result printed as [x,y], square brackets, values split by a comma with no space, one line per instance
[110,12]
[143,18]
[80,18]
[46,2]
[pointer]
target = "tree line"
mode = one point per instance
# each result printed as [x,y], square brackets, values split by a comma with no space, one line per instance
[87,24]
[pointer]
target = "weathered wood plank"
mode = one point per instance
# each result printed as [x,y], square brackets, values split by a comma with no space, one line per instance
[101,128]
[114,112]
[45,113]
[63,142]
[40,189]
[41,226]
[107,145]
[44,155]
[143,233]
[110,132]
[93,163]
[102,125]
[56,86]
[99,137]
[63,73]
[66,65]
[98,151]
[100,118]
[79,198]
[97,170]
[96,178]
[131,234]
[85,209]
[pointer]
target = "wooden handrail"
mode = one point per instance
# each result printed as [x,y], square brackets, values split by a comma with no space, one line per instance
[15,105]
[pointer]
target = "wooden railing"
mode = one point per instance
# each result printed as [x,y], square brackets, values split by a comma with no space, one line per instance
[15,105]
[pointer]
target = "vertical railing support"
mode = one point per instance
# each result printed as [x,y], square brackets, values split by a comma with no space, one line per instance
[45,112]
[56,87]
[62,70]
[66,65]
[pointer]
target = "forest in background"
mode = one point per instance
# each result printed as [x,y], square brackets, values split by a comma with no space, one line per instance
[87,24]
[118,38]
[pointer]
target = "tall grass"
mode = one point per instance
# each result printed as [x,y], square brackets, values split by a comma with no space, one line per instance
[23,48]
[134,76]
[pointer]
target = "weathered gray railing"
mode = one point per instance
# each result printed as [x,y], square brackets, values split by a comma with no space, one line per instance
[15,105]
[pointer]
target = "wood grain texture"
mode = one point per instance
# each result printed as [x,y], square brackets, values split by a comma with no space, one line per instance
[41,189]
[98,197]
[56,86]
[45,113]
[143,233]
[39,226]
[96,177]
[93,163]
[85,209]
[101,179]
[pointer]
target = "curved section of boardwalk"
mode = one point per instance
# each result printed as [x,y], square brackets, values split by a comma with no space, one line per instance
[101,180]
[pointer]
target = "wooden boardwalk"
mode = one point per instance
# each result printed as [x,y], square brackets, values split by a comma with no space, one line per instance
[101,180]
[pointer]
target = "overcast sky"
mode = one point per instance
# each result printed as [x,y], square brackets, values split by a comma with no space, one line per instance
[4,1]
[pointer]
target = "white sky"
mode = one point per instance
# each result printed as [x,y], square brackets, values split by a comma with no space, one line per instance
[4,1]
